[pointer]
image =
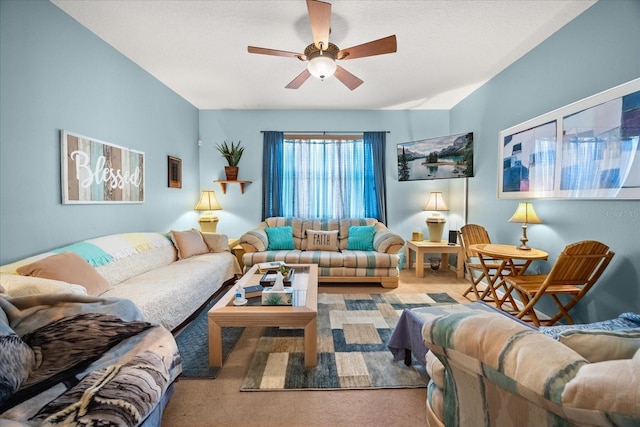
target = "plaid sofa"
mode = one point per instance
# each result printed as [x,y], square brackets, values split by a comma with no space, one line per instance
[488,370]
[379,265]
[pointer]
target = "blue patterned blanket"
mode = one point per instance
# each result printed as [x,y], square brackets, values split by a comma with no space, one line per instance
[75,360]
[624,321]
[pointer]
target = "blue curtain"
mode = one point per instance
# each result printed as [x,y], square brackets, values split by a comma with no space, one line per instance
[376,190]
[324,178]
[272,173]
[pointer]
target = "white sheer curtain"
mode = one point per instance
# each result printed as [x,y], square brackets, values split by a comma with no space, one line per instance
[324,178]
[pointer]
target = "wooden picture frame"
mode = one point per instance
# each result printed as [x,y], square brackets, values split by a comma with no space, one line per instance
[95,171]
[175,172]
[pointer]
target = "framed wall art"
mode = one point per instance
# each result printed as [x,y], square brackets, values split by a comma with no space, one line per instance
[175,172]
[436,158]
[586,150]
[94,171]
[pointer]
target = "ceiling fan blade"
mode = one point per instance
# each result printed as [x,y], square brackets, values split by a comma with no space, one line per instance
[348,79]
[320,17]
[274,52]
[376,47]
[297,82]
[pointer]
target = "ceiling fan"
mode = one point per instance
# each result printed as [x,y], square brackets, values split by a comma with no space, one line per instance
[322,55]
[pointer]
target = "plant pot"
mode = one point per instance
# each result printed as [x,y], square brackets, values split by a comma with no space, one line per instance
[231,172]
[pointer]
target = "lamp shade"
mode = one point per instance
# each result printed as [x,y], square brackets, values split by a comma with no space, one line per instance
[525,214]
[208,202]
[435,202]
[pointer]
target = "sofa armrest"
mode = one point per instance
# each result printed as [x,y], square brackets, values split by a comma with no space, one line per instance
[435,369]
[518,358]
[255,240]
[386,241]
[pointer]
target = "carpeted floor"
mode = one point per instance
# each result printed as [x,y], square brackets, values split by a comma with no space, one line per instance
[353,330]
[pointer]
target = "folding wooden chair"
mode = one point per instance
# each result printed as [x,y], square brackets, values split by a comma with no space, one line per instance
[575,271]
[474,234]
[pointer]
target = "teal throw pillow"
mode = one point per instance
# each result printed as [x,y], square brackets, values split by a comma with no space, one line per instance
[361,238]
[280,238]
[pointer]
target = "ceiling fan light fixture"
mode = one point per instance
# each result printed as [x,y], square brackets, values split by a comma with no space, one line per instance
[322,66]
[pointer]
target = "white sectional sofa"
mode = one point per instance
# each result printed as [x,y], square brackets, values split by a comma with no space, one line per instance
[346,250]
[134,288]
[168,276]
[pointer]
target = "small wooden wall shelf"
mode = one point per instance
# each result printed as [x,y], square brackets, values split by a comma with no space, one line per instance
[223,184]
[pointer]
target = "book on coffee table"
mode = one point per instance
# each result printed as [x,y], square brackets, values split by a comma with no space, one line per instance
[263,267]
[253,291]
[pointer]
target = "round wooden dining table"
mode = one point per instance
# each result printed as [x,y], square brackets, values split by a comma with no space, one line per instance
[512,261]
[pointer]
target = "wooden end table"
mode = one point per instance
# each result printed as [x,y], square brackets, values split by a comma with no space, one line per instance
[237,250]
[225,314]
[427,247]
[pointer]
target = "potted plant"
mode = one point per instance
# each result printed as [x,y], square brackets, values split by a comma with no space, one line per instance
[284,270]
[232,153]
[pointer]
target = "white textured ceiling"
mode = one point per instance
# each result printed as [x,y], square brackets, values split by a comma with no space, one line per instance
[446,49]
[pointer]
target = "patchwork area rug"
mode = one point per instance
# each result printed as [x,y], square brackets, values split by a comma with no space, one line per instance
[353,331]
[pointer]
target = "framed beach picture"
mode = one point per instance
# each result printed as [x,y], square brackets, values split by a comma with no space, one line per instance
[436,158]
[586,150]
[95,171]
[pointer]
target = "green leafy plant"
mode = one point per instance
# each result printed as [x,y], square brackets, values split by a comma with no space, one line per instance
[232,153]
[284,270]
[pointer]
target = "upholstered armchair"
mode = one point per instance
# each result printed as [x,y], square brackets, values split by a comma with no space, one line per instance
[487,369]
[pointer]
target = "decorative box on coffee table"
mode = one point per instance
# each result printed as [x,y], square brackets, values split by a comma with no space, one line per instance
[275,297]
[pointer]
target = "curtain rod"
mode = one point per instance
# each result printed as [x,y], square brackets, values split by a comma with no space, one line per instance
[324,132]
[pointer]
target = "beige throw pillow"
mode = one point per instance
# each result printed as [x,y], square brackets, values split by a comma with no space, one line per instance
[216,242]
[189,243]
[599,345]
[68,267]
[322,240]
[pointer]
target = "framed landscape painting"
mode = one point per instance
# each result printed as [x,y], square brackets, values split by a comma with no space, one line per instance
[436,158]
[587,150]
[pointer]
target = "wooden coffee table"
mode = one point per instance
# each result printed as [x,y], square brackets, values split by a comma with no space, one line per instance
[225,314]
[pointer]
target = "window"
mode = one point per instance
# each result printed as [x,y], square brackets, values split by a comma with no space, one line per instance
[324,176]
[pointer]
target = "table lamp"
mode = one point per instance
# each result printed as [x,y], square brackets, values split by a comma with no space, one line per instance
[526,215]
[435,222]
[208,203]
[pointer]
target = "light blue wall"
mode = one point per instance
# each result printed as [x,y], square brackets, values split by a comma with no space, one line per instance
[600,49]
[405,200]
[55,74]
